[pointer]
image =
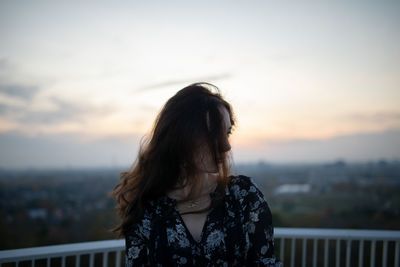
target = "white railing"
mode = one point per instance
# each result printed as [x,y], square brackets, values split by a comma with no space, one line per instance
[337,247]
[294,247]
[81,254]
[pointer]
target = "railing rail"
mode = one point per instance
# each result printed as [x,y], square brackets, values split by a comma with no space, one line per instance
[330,242]
[63,251]
[294,246]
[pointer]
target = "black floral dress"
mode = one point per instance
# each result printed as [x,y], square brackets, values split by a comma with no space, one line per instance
[237,233]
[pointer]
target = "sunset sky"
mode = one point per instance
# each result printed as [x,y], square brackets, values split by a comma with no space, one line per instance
[81,82]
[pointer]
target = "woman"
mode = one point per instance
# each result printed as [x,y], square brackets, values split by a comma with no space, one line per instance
[179,204]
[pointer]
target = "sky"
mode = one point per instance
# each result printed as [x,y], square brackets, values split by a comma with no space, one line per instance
[81,83]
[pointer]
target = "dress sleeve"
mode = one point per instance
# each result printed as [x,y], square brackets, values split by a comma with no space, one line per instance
[136,241]
[259,228]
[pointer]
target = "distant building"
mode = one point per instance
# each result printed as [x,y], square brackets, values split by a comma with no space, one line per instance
[37,213]
[293,189]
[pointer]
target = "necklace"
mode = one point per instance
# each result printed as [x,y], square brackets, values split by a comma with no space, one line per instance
[199,201]
[192,204]
[196,203]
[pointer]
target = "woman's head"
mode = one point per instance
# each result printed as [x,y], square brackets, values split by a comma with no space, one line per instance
[189,136]
[191,131]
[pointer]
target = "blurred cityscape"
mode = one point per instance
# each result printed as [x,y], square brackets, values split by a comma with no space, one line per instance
[48,207]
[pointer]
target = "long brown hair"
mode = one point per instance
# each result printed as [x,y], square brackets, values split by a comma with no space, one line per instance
[167,159]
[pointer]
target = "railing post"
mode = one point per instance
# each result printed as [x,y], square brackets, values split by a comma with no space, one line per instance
[105,259]
[337,252]
[77,260]
[118,258]
[304,252]
[326,253]
[91,260]
[384,253]
[361,253]
[292,252]
[348,252]
[372,263]
[315,252]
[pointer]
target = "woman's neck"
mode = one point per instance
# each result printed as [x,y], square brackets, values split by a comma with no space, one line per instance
[207,183]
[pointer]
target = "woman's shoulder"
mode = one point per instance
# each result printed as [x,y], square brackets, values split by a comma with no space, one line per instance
[242,182]
[243,187]
[245,192]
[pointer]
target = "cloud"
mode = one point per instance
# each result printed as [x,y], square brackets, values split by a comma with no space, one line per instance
[8,110]
[352,147]
[9,85]
[64,111]
[18,91]
[378,117]
[184,81]
[3,63]
[9,71]
[3,108]
[66,150]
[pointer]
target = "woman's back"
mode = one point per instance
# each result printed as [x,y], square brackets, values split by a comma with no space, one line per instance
[237,233]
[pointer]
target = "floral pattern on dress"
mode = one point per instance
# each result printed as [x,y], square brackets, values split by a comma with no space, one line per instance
[237,233]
